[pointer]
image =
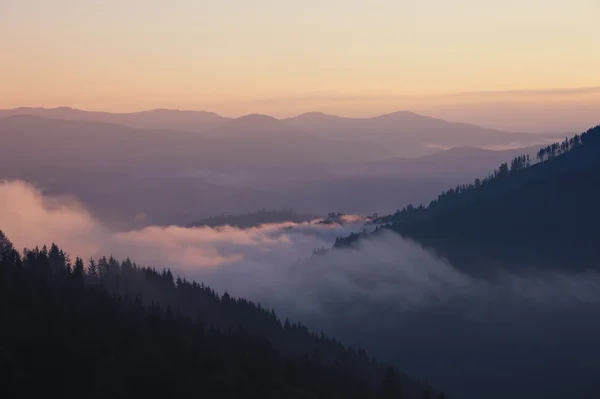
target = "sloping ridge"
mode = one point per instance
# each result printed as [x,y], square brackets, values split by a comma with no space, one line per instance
[190,121]
[543,216]
[256,126]
[401,123]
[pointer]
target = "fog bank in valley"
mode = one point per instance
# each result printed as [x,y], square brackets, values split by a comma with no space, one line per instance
[390,296]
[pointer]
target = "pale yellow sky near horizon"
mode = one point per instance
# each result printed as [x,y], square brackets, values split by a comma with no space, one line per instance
[286,57]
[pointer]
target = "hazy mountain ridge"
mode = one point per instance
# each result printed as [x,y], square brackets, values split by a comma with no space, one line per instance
[404,133]
[465,162]
[193,121]
[165,176]
[406,130]
[253,139]
[402,303]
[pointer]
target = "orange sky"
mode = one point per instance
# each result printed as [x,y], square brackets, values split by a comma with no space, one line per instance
[285,57]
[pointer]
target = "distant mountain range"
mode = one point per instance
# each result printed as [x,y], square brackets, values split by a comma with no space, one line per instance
[241,165]
[256,140]
[460,162]
[193,121]
[401,133]
[424,131]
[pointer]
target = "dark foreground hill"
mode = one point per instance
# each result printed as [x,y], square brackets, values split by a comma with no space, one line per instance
[118,331]
[543,214]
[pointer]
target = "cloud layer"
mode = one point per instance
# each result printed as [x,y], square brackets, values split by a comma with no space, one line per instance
[274,262]
[31,219]
[390,296]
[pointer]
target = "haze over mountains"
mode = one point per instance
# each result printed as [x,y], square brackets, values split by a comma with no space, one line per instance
[193,165]
[416,133]
[497,270]
[515,295]
[403,133]
[193,121]
[467,162]
[299,199]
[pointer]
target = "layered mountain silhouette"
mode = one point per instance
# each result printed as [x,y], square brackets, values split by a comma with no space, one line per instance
[251,140]
[193,121]
[402,133]
[409,133]
[463,162]
[527,214]
[243,164]
[255,126]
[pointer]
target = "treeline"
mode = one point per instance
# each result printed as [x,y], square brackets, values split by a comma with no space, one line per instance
[114,329]
[555,149]
[454,195]
[542,216]
[333,218]
[254,219]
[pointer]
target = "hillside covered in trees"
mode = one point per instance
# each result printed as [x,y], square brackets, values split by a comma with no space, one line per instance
[533,213]
[113,329]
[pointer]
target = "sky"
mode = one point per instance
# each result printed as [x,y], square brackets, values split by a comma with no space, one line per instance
[286,56]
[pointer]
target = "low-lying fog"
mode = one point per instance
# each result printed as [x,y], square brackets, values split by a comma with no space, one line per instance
[390,296]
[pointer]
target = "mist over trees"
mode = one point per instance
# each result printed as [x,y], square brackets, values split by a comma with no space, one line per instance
[112,324]
[114,329]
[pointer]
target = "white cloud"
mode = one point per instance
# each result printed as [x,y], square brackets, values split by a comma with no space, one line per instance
[269,263]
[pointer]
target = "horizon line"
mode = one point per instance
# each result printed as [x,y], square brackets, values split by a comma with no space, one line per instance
[559,91]
[66,107]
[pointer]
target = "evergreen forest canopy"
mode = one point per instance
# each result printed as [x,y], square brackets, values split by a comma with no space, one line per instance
[532,213]
[114,329]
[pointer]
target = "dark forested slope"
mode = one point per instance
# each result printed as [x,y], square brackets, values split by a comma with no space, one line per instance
[526,214]
[116,330]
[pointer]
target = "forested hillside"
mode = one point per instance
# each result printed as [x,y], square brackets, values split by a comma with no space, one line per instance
[540,212]
[113,329]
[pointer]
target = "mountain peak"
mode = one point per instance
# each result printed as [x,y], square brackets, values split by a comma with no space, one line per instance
[402,114]
[315,115]
[255,126]
[256,119]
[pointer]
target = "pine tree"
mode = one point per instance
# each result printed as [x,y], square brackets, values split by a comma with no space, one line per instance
[92,268]
[78,270]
